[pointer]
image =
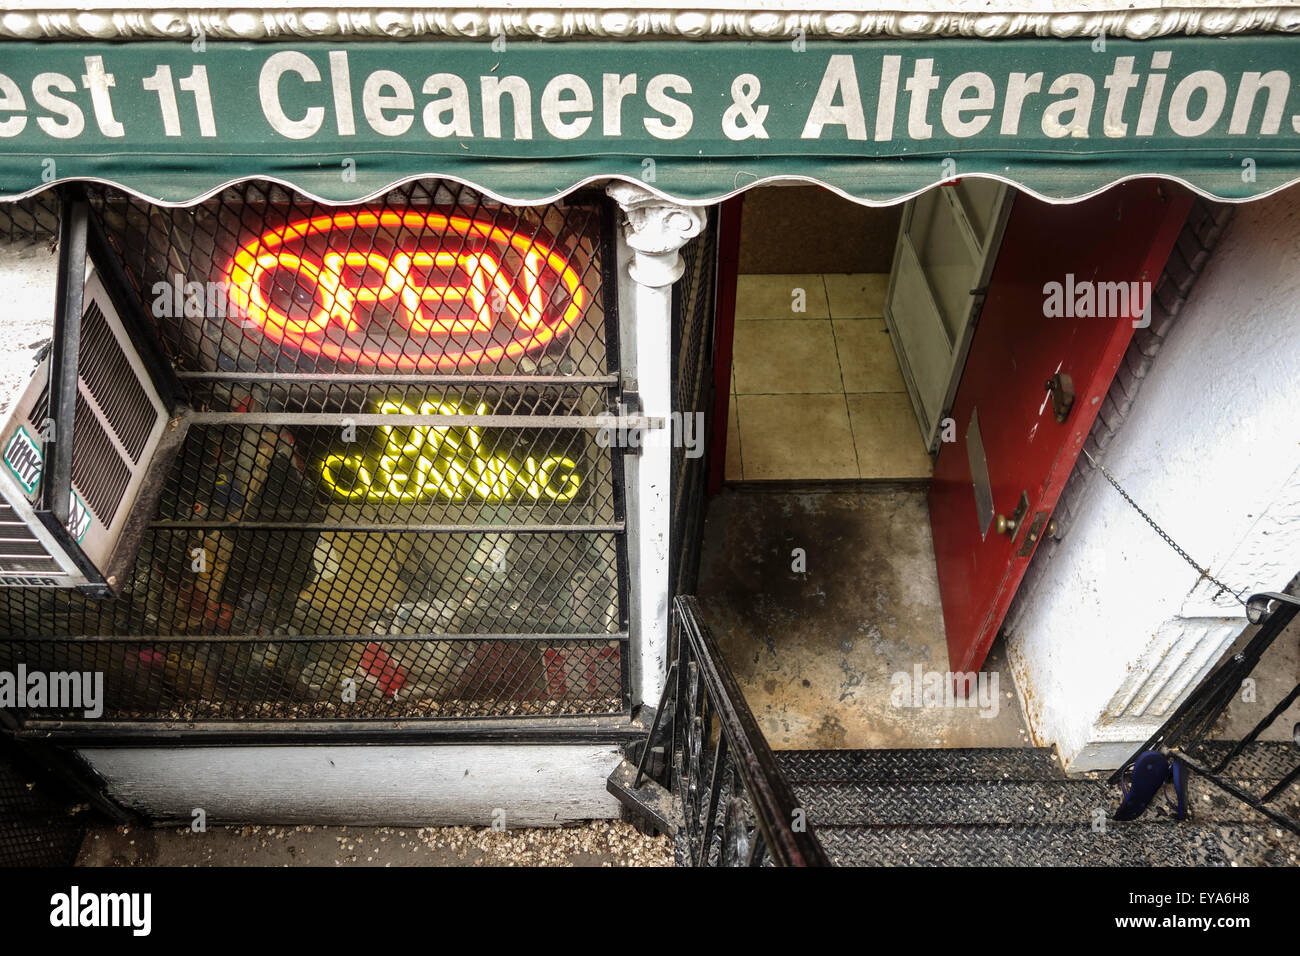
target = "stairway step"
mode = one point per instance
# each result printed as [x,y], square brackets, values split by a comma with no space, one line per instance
[1259,761]
[1268,760]
[1022,803]
[953,804]
[966,765]
[1122,844]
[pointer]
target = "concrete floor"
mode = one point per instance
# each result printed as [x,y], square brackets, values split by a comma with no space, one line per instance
[817,653]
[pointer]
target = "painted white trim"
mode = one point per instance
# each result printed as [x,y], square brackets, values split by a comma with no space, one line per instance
[604,178]
[655,19]
[535,785]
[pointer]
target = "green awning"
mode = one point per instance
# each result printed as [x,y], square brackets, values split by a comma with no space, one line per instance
[527,121]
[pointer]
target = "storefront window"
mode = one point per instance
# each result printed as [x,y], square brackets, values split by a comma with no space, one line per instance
[324,546]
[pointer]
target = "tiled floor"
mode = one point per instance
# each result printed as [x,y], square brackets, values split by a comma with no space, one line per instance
[816,390]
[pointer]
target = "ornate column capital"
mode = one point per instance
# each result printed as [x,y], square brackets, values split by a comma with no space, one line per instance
[655,229]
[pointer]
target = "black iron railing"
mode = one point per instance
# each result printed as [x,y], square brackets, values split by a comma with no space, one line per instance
[1181,738]
[736,807]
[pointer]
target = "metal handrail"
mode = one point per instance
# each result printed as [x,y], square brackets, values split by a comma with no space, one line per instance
[1191,723]
[701,690]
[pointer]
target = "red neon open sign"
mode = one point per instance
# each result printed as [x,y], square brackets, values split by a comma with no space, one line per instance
[461,292]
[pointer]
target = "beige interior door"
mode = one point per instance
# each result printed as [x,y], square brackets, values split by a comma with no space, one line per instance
[947,242]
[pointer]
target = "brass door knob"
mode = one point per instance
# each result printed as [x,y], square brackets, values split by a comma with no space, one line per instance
[1007,524]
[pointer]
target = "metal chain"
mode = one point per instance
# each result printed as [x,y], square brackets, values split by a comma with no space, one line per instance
[1160,531]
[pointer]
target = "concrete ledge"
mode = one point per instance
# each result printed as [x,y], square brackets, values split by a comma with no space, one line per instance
[521,785]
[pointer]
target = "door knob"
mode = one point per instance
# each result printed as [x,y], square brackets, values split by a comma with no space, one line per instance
[1007,524]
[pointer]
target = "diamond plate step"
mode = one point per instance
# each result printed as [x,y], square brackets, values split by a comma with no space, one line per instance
[1015,806]
[951,804]
[1011,803]
[969,765]
[1122,844]
[1260,761]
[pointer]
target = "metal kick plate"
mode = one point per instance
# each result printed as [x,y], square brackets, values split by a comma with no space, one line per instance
[979,474]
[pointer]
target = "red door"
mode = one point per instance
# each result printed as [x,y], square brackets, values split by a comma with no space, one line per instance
[1005,416]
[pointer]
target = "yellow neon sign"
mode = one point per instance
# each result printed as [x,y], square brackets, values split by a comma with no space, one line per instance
[436,461]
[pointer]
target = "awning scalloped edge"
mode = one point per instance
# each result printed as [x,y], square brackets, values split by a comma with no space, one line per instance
[600,180]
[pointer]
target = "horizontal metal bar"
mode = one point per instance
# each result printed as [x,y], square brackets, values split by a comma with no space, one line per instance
[337,419]
[613,729]
[308,638]
[615,528]
[380,378]
[1282,785]
[1245,796]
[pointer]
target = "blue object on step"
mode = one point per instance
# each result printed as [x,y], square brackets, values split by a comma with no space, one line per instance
[1178,770]
[1149,773]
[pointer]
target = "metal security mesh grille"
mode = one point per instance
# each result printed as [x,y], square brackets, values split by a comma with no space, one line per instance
[390,501]
[382,677]
[430,279]
[35,219]
[693,306]
[41,823]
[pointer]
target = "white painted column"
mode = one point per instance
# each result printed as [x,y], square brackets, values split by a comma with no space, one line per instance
[652,233]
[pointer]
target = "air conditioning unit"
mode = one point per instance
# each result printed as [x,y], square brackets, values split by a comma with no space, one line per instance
[85,445]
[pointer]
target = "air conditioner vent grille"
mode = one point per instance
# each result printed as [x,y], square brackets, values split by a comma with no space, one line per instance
[98,471]
[43,565]
[41,407]
[107,372]
[12,548]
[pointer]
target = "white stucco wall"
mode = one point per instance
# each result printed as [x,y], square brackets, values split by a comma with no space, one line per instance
[28,274]
[1117,630]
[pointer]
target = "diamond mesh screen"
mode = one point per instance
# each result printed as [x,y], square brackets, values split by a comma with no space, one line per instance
[389,501]
[35,219]
[41,821]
